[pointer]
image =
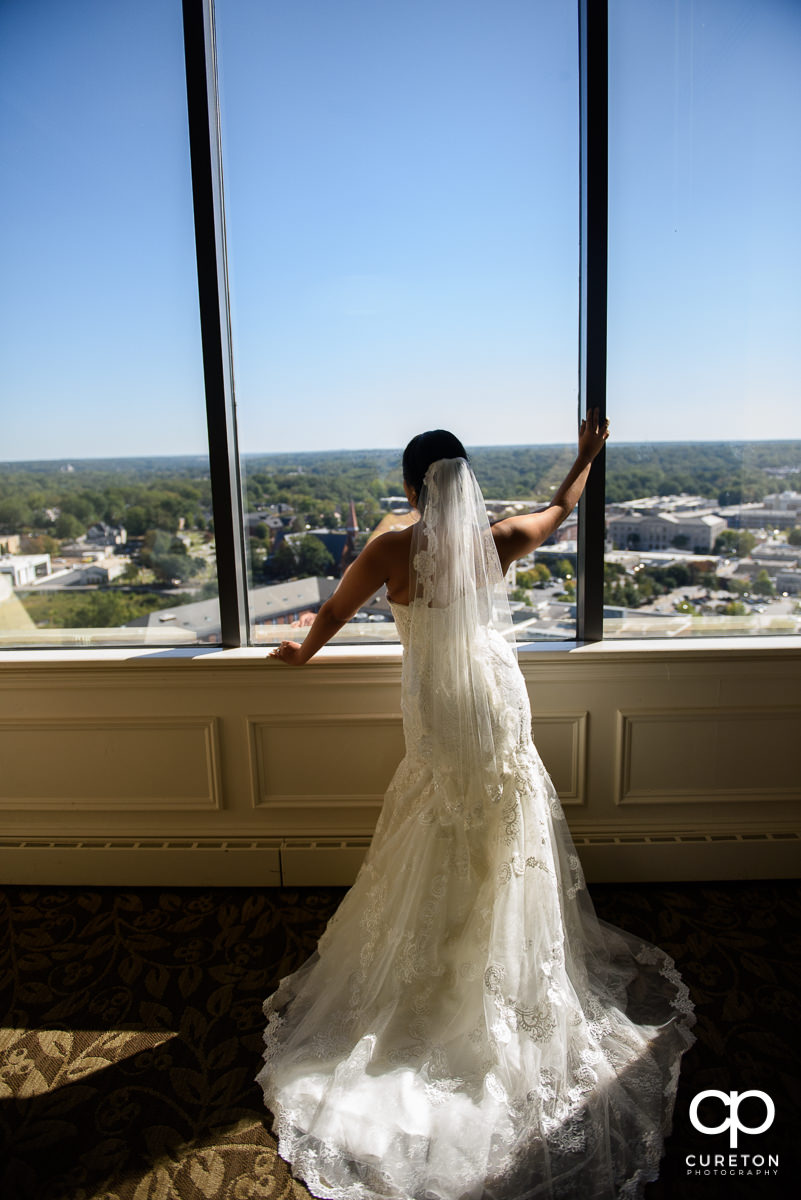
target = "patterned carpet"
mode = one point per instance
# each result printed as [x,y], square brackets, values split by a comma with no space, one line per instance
[132,1024]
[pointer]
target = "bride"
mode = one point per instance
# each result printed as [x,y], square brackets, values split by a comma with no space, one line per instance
[467,1028]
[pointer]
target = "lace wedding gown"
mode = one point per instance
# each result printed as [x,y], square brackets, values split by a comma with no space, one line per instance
[467,1028]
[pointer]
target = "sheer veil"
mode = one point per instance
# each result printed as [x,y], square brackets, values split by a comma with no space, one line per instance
[460,631]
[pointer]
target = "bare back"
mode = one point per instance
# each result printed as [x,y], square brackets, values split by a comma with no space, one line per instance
[397,545]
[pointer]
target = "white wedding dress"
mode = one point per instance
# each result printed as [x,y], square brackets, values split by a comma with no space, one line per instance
[467,1028]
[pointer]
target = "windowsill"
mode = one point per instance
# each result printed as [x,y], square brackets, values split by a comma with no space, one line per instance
[331,656]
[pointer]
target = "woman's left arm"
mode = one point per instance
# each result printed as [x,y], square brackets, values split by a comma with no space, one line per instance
[361,580]
[515,537]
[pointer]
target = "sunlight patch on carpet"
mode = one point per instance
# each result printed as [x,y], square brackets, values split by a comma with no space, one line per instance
[36,1061]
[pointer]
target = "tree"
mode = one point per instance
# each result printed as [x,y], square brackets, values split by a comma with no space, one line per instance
[313,557]
[14,515]
[794,536]
[85,506]
[282,564]
[730,495]
[368,513]
[41,545]
[645,587]
[763,585]
[136,521]
[60,610]
[177,566]
[168,558]
[156,544]
[726,542]
[130,574]
[538,574]
[562,568]
[738,543]
[67,526]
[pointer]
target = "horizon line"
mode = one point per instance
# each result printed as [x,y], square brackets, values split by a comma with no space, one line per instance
[397,449]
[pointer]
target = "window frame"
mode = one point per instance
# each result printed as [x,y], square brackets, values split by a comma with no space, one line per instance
[209,214]
[209,217]
[593,239]
[208,202]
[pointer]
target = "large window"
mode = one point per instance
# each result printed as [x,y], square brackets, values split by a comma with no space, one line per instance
[400,248]
[105,502]
[401,185]
[704,476]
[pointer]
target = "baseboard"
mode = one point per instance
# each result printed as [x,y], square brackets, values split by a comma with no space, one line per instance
[141,862]
[334,862]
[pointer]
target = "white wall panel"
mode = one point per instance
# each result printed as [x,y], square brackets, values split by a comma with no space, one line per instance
[723,755]
[113,763]
[321,760]
[671,762]
[561,739]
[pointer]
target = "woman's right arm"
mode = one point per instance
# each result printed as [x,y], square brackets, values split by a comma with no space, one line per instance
[361,580]
[516,537]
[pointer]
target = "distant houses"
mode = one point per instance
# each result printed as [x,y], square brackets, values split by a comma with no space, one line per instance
[101,534]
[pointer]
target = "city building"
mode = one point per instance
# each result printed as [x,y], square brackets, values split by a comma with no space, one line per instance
[102,571]
[278,604]
[25,569]
[663,531]
[270,520]
[760,517]
[788,580]
[784,502]
[101,534]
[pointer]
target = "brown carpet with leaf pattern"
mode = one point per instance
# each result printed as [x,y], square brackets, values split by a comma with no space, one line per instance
[132,1029]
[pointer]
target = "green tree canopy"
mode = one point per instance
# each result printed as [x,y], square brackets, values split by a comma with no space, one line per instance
[763,585]
[68,526]
[282,564]
[313,557]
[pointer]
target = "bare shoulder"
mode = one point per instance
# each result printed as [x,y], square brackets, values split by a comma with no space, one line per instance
[391,543]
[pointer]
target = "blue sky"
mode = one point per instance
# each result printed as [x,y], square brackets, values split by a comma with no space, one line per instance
[401,191]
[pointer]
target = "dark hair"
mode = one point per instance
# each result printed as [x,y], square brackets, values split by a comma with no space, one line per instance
[426,448]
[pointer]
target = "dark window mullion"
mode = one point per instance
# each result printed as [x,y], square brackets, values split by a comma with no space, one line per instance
[593,78]
[207,191]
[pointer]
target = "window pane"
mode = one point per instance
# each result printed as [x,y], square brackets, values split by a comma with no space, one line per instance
[704,474]
[105,510]
[402,213]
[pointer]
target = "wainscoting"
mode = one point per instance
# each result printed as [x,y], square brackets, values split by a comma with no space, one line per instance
[217,768]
